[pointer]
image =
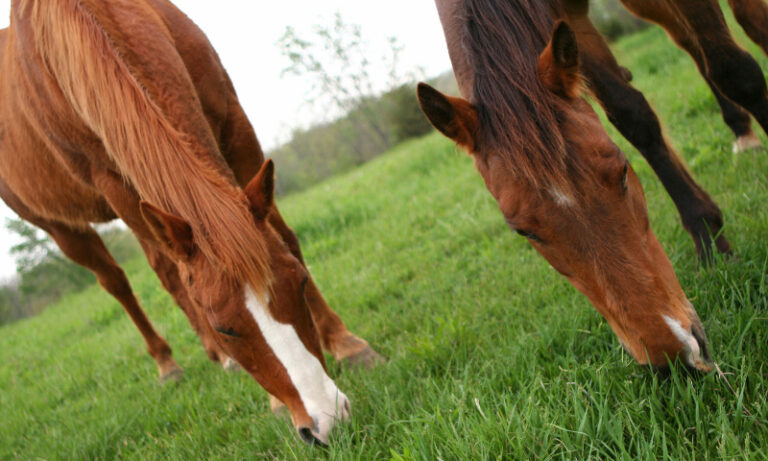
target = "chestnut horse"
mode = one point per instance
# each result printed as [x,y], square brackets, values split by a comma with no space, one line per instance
[697,26]
[122,109]
[558,178]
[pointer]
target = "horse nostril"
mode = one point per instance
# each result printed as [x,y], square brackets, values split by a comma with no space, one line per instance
[701,338]
[306,435]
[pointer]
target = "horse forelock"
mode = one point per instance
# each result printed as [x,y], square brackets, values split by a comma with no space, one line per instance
[517,113]
[175,169]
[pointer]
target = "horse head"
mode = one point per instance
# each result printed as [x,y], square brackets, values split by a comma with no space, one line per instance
[269,332]
[587,216]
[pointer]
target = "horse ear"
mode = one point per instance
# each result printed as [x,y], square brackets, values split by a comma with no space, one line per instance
[171,231]
[261,190]
[454,117]
[559,62]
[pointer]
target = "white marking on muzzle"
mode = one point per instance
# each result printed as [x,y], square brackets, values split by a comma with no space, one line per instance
[324,402]
[693,356]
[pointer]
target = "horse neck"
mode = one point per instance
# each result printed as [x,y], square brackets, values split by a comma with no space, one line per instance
[151,128]
[451,17]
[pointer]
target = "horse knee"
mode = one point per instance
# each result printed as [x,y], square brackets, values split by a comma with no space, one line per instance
[113,280]
[738,76]
[635,119]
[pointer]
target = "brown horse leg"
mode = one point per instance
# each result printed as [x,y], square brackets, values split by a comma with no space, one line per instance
[244,155]
[732,69]
[737,119]
[168,274]
[753,17]
[629,111]
[334,336]
[125,202]
[86,248]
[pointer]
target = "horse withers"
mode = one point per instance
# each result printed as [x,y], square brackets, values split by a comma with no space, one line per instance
[558,178]
[122,109]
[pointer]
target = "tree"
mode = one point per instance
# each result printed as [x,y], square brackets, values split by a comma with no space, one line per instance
[345,79]
[45,273]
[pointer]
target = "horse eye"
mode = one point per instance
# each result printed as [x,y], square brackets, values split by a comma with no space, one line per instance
[528,235]
[190,280]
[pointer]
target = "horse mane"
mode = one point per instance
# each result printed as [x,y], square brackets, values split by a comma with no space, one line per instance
[177,169]
[517,113]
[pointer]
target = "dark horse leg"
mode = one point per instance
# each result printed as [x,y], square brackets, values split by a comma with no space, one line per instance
[661,13]
[732,69]
[243,153]
[629,111]
[85,247]
[753,17]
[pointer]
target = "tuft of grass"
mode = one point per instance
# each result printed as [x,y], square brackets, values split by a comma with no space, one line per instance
[492,355]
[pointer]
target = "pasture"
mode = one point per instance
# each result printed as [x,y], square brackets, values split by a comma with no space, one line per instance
[492,354]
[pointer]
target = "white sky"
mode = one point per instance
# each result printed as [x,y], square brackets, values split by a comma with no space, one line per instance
[244,34]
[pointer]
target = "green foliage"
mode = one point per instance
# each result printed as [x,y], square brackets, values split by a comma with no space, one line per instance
[403,114]
[11,307]
[613,20]
[492,354]
[324,150]
[45,273]
[363,120]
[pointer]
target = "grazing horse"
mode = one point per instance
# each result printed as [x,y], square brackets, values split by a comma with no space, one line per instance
[697,26]
[558,178]
[122,109]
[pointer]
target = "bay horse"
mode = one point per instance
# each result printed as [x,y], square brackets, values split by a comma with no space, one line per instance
[735,78]
[116,109]
[557,177]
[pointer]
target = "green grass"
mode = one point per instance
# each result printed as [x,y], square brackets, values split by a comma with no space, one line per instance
[492,354]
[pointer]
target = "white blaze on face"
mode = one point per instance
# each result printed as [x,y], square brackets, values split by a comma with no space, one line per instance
[324,402]
[693,352]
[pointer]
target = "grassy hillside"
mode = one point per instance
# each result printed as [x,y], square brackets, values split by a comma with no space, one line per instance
[492,354]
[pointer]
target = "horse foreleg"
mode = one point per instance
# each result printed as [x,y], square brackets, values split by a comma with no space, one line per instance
[125,202]
[731,68]
[737,119]
[631,114]
[168,274]
[86,248]
[334,335]
[753,17]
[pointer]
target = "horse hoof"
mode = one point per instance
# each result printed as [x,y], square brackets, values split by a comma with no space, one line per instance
[173,375]
[365,359]
[746,142]
[228,364]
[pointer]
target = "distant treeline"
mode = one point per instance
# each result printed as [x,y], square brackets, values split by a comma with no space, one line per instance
[374,126]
